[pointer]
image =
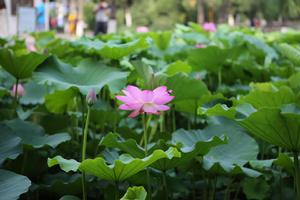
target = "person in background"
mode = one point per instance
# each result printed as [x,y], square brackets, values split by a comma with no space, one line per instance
[72,19]
[102,12]
[40,12]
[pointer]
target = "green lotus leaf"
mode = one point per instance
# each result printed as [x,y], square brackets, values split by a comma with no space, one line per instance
[276,126]
[256,188]
[231,157]
[201,59]
[117,51]
[64,164]
[124,167]
[259,99]
[177,67]
[34,94]
[34,135]
[86,76]
[135,193]
[129,146]
[290,52]
[12,185]
[61,100]
[9,144]
[179,84]
[283,161]
[189,147]
[63,183]
[69,197]
[20,66]
[161,39]
[110,50]
[260,48]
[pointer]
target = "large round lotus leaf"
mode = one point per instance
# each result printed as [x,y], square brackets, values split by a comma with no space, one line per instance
[122,168]
[34,135]
[230,157]
[86,76]
[276,126]
[260,99]
[20,66]
[12,185]
[189,148]
[9,144]
[110,50]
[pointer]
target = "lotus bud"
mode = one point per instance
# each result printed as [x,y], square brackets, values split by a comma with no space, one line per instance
[91,97]
[17,89]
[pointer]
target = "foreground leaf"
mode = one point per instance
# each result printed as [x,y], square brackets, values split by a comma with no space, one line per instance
[12,185]
[189,147]
[123,168]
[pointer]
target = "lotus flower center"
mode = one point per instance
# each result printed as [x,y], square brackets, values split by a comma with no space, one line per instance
[149,104]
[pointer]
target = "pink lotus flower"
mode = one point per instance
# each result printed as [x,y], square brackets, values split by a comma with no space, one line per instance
[20,91]
[30,44]
[145,101]
[142,29]
[200,46]
[209,26]
[91,97]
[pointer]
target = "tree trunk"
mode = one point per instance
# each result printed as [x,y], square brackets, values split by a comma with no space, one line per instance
[200,11]
[128,17]
[113,9]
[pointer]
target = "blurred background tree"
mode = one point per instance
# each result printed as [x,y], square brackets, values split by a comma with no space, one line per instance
[163,14]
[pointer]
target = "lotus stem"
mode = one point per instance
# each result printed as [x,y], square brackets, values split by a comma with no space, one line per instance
[117,192]
[146,124]
[85,133]
[219,77]
[165,186]
[162,122]
[173,120]
[16,93]
[297,173]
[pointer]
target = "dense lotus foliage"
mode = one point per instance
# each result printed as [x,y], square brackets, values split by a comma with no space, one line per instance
[190,113]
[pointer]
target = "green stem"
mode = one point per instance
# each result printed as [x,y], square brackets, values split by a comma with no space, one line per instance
[173,120]
[162,122]
[117,192]
[213,191]
[237,192]
[297,173]
[82,110]
[15,103]
[227,191]
[85,133]
[153,130]
[219,77]
[195,113]
[16,92]
[146,124]
[166,192]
